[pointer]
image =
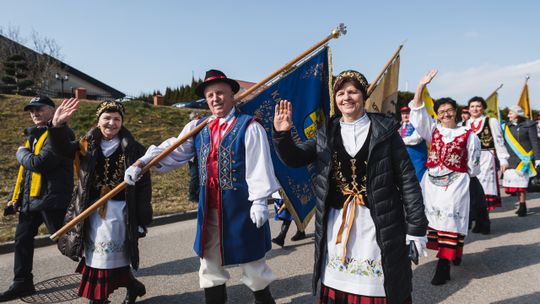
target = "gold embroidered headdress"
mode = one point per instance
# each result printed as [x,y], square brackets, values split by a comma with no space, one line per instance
[349,75]
[110,106]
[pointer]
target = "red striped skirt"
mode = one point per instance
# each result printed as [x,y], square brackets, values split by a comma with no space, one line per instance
[330,295]
[448,244]
[98,284]
[493,201]
[509,190]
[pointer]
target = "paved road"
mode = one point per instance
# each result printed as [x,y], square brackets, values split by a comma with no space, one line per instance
[503,267]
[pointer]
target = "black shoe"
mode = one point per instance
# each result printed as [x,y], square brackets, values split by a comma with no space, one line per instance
[522,210]
[442,273]
[264,296]
[300,235]
[216,295]
[476,228]
[280,239]
[18,290]
[135,289]
[486,229]
[457,262]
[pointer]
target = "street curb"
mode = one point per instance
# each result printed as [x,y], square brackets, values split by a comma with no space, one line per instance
[44,240]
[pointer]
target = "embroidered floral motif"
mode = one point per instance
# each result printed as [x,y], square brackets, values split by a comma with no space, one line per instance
[205,151]
[442,214]
[452,155]
[104,248]
[361,267]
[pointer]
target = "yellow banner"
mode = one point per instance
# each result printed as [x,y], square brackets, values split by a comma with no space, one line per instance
[492,109]
[523,101]
[384,97]
[428,103]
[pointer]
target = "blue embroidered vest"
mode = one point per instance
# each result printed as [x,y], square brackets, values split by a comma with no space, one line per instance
[240,240]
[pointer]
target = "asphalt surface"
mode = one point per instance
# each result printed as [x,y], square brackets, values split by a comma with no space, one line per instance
[503,267]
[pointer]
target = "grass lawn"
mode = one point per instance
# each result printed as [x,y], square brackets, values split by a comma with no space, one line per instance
[148,124]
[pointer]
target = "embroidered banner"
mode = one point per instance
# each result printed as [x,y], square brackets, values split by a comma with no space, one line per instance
[307,88]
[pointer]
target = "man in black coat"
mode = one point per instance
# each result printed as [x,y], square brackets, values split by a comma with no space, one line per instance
[41,194]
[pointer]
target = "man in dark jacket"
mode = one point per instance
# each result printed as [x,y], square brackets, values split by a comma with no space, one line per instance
[41,194]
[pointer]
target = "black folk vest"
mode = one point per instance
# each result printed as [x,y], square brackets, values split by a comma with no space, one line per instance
[347,173]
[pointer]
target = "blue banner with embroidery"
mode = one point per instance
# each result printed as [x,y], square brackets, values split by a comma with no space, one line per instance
[307,87]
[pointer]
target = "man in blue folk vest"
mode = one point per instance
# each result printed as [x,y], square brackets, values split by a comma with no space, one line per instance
[236,177]
[416,146]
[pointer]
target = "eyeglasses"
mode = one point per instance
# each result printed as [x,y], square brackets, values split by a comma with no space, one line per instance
[447,112]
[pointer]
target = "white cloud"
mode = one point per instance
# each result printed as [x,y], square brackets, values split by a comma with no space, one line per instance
[482,80]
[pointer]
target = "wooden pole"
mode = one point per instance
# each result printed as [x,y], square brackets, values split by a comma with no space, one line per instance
[373,85]
[341,29]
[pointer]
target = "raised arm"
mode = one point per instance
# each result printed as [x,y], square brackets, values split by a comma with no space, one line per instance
[61,137]
[420,119]
[292,154]
[417,101]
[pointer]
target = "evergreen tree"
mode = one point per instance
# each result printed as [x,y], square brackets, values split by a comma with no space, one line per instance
[16,72]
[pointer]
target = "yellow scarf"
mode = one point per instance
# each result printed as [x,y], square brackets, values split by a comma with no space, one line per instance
[525,165]
[35,185]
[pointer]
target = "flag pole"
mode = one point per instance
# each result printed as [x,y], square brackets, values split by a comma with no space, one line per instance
[340,30]
[530,108]
[496,90]
[374,83]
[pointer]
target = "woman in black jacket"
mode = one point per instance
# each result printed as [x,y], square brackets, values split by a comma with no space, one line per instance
[107,241]
[369,202]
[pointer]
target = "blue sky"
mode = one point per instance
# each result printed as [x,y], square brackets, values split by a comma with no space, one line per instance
[139,46]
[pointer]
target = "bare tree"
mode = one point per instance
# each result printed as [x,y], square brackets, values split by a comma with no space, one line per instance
[42,63]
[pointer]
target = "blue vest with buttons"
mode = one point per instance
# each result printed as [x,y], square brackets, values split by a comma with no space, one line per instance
[241,240]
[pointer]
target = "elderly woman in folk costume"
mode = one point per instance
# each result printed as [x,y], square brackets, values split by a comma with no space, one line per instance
[107,241]
[369,204]
[453,159]
[524,147]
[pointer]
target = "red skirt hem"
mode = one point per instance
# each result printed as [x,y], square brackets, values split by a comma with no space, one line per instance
[509,190]
[98,284]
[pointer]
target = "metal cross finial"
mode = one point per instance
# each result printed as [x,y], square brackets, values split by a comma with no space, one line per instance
[340,30]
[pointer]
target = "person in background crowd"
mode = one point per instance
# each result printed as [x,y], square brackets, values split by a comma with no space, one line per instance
[416,145]
[282,214]
[107,242]
[521,139]
[454,158]
[493,152]
[364,228]
[465,116]
[538,126]
[41,194]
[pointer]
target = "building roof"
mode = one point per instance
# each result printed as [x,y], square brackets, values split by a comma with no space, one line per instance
[69,69]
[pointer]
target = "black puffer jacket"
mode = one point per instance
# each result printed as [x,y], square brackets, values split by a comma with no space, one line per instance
[394,197]
[525,133]
[56,174]
[138,197]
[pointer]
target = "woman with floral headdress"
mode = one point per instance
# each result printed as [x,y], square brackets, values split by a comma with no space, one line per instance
[106,241]
[453,160]
[369,202]
[524,147]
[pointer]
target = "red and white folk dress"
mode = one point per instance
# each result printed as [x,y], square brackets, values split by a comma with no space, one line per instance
[454,157]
